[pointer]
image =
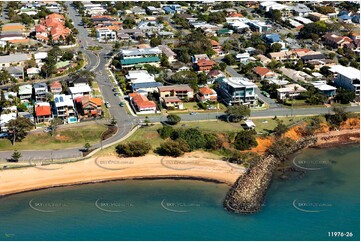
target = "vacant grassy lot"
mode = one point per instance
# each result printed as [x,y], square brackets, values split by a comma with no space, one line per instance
[65,137]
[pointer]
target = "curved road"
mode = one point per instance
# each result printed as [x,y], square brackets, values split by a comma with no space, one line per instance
[96,64]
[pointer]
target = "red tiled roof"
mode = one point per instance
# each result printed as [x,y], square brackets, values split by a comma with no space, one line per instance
[55,84]
[206,90]
[213,42]
[142,101]
[43,111]
[204,62]
[261,70]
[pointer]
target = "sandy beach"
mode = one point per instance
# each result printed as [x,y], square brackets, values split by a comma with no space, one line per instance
[109,168]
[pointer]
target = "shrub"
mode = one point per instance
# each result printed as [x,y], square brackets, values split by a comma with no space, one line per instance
[245,140]
[173,148]
[173,119]
[134,148]
[165,132]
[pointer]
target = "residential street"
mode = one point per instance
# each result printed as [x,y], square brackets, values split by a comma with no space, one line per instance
[97,63]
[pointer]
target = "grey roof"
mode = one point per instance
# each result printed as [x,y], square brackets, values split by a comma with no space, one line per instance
[13,58]
[40,85]
[15,69]
[146,85]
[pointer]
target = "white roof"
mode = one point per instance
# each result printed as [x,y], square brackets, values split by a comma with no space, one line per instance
[324,87]
[5,118]
[25,89]
[243,55]
[347,71]
[40,55]
[80,89]
[140,76]
[62,100]
[144,51]
[303,20]
[33,70]
[249,123]
[291,88]
[239,82]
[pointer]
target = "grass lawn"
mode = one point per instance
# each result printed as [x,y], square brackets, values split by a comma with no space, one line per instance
[67,137]
[266,125]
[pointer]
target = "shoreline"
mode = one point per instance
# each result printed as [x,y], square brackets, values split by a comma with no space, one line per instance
[149,167]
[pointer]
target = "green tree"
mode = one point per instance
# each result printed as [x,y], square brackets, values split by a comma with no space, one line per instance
[54,124]
[276,47]
[16,156]
[19,128]
[165,132]
[134,148]
[155,41]
[280,148]
[173,148]
[280,129]
[87,146]
[345,96]
[238,112]
[173,119]
[245,140]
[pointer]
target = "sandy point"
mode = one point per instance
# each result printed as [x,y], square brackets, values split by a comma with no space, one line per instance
[108,168]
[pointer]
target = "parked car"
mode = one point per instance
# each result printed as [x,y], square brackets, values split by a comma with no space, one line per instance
[116,94]
[193,113]
[107,104]
[121,104]
[47,130]
[4,135]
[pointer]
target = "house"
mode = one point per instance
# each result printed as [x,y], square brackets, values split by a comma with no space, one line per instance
[25,92]
[272,39]
[40,56]
[347,78]
[301,10]
[329,91]
[303,20]
[311,56]
[205,65]
[16,71]
[259,26]
[172,102]
[314,16]
[33,72]
[263,72]
[296,75]
[40,91]
[106,35]
[64,107]
[172,57]
[237,91]
[165,34]
[345,18]
[151,10]
[243,57]
[142,81]
[80,90]
[89,107]
[43,112]
[336,41]
[141,104]
[138,57]
[206,94]
[79,81]
[263,59]
[181,91]
[283,55]
[223,32]
[56,87]
[291,90]
[213,75]
[216,47]
[196,58]
[13,59]
[53,25]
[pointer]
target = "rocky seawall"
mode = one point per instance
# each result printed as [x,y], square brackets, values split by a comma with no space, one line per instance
[247,194]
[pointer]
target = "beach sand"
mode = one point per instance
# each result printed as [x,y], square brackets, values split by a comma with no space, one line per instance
[107,168]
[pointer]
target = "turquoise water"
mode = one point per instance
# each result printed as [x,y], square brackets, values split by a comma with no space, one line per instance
[303,207]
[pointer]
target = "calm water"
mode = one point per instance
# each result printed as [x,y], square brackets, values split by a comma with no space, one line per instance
[304,207]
